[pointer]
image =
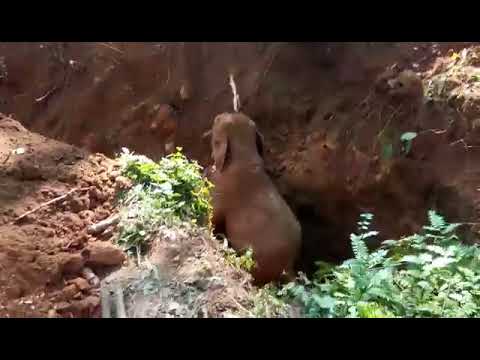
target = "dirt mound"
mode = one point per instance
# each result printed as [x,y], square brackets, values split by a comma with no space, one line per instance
[44,250]
[184,275]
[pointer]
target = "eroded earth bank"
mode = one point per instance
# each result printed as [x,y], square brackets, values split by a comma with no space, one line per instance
[334,117]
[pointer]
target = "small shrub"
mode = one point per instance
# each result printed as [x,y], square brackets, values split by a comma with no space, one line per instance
[165,192]
[243,261]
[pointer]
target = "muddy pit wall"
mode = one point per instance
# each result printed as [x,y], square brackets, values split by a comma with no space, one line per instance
[324,124]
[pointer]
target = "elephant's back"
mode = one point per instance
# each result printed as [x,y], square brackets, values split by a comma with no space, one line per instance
[256,193]
[262,213]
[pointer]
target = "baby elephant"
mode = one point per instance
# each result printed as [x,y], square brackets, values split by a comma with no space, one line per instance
[247,206]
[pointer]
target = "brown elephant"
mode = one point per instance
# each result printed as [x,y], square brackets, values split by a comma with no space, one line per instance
[247,206]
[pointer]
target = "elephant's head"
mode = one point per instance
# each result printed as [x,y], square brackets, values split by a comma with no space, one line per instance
[235,139]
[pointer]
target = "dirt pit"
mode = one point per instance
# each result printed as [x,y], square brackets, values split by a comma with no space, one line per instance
[333,132]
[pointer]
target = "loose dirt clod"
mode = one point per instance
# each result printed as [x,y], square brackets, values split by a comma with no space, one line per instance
[103,254]
[80,283]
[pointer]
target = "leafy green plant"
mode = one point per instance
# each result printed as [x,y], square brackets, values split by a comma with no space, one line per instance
[431,274]
[244,261]
[175,180]
[171,190]
[407,139]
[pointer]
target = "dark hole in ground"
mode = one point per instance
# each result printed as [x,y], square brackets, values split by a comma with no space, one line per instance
[322,239]
[327,224]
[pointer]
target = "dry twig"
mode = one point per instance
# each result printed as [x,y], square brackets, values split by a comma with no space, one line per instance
[47,94]
[236,97]
[53,201]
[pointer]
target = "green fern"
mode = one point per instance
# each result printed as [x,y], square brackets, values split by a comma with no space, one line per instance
[359,246]
[436,221]
[430,274]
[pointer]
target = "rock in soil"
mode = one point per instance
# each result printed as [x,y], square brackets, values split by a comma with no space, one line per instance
[104,254]
[80,283]
[70,291]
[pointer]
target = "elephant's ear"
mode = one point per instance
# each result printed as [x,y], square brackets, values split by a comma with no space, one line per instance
[259,141]
[221,152]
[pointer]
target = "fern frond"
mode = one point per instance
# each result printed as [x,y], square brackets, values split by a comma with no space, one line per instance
[360,249]
[436,221]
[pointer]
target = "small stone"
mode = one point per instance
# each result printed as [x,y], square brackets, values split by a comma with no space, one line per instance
[81,283]
[52,313]
[69,291]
